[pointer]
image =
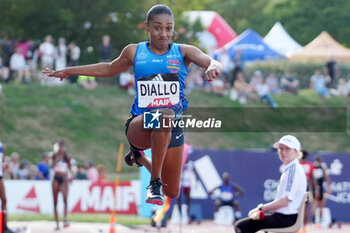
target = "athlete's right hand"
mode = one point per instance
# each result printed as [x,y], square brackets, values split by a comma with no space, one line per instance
[61,74]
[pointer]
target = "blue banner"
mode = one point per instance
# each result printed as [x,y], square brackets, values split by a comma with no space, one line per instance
[257,172]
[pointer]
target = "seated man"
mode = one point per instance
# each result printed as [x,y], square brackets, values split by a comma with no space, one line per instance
[229,192]
[264,93]
[290,192]
[318,84]
[273,83]
[289,83]
[242,88]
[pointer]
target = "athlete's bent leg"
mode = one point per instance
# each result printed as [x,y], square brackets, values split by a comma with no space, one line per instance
[171,172]
[158,140]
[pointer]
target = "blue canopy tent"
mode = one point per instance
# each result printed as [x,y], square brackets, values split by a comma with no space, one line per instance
[252,47]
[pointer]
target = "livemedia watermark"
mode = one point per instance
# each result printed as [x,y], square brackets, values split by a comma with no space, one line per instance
[305,119]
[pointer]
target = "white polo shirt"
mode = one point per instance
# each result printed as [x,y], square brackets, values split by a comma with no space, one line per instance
[292,185]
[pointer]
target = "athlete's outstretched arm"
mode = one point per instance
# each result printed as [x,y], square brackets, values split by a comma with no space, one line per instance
[195,55]
[103,69]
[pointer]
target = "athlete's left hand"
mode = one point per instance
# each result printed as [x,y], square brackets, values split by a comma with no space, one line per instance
[214,70]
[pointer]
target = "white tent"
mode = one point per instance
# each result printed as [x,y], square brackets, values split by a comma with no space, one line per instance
[215,25]
[279,39]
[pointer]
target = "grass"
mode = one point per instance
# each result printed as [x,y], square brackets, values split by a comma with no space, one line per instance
[34,117]
[128,220]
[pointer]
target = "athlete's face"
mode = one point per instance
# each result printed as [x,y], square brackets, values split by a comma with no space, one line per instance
[286,153]
[161,29]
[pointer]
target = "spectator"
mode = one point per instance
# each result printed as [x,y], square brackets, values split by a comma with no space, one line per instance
[320,179]
[227,64]
[61,54]
[23,171]
[24,45]
[289,196]
[105,49]
[4,71]
[242,88]
[87,82]
[318,84]
[229,192]
[74,169]
[32,58]
[289,83]
[257,79]
[74,56]
[8,48]
[127,81]
[81,173]
[43,168]
[331,71]
[263,91]
[342,89]
[47,52]
[91,172]
[273,84]
[33,171]
[6,169]
[238,65]
[102,175]
[47,56]
[18,64]
[308,168]
[14,165]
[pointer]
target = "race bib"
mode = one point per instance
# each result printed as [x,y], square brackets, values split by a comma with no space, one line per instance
[226,196]
[159,90]
[61,167]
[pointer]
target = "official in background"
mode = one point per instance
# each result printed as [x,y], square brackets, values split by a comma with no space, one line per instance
[283,210]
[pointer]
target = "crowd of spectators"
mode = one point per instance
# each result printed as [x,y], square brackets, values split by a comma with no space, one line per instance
[21,59]
[15,168]
[263,87]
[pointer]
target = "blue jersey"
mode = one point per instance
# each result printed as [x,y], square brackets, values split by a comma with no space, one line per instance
[227,188]
[160,80]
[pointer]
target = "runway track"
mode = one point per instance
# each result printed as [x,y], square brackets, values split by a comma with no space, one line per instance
[205,227]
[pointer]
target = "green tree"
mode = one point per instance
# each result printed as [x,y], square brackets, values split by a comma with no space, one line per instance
[303,19]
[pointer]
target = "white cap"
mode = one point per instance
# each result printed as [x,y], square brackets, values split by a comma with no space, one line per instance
[290,141]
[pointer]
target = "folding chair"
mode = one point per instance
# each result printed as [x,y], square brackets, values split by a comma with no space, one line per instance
[298,223]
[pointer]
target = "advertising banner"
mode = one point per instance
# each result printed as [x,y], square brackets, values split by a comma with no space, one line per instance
[35,197]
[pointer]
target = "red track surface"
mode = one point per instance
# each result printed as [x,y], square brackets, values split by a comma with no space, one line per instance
[204,227]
